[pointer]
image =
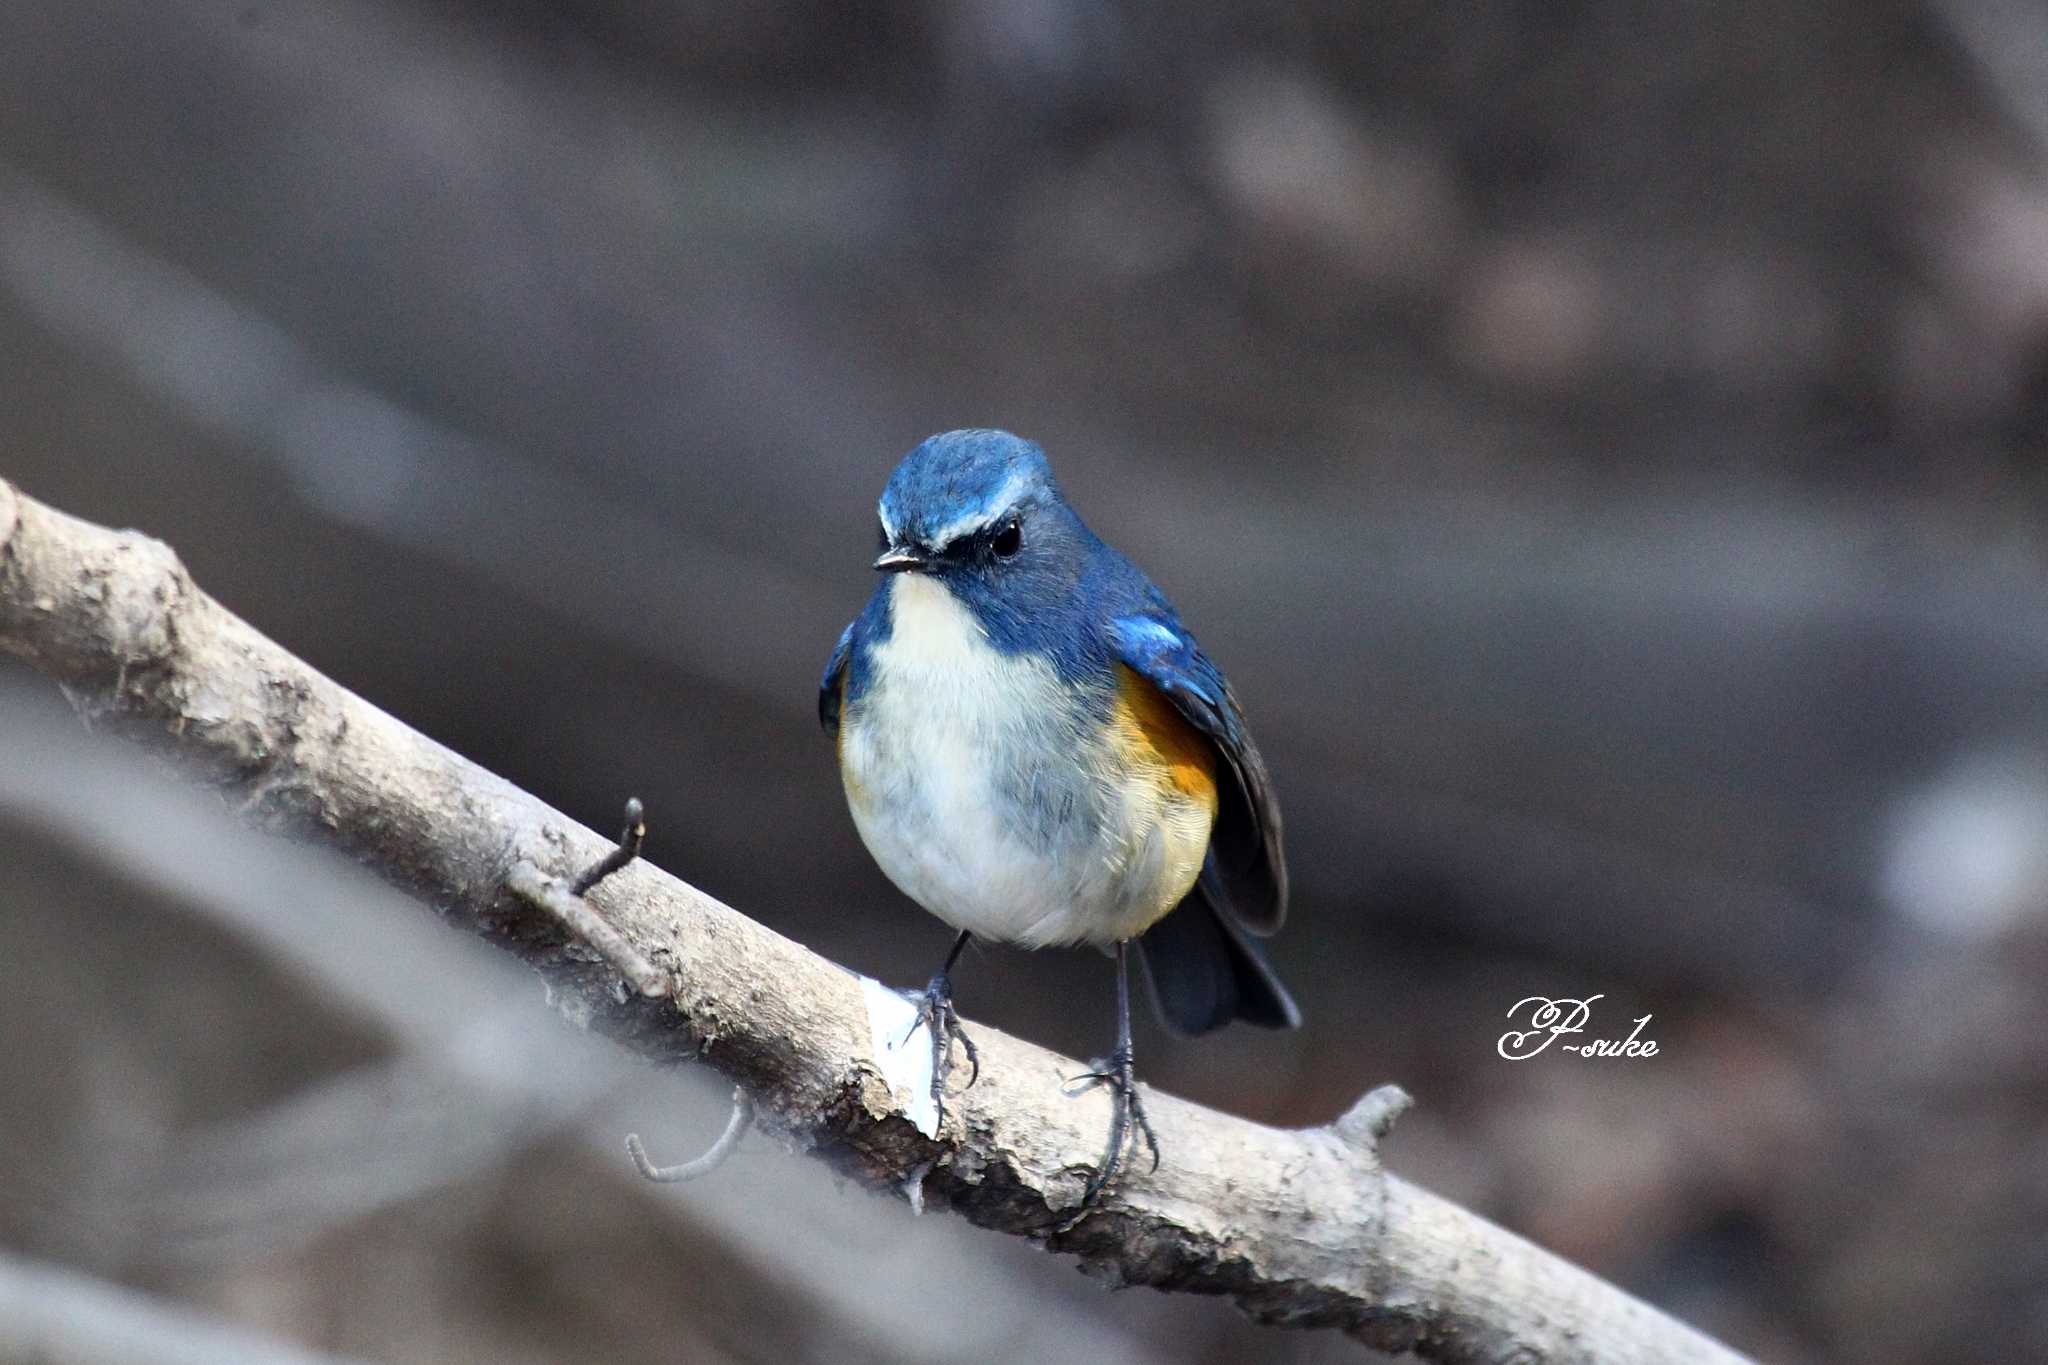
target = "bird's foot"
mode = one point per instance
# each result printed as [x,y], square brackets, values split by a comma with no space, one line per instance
[1127,1114]
[936,1015]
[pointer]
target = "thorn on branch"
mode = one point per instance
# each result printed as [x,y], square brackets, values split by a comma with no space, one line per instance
[564,901]
[713,1158]
[1366,1122]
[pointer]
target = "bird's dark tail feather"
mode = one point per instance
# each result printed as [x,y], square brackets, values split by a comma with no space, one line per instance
[1204,971]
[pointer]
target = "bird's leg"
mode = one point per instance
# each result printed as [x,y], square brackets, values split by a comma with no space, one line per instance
[935,1014]
[1128,1109]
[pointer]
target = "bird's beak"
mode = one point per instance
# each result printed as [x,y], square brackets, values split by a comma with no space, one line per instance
[900,559]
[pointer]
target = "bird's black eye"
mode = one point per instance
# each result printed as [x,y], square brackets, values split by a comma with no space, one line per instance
[1008,541]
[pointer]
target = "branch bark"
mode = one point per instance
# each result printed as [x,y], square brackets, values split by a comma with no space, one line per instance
[1301,1227]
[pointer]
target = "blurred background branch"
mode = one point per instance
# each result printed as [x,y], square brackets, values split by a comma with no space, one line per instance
[61,1317]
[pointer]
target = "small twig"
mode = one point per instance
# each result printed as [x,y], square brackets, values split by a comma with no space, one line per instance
[565,902]
[713,1158]
[630,839]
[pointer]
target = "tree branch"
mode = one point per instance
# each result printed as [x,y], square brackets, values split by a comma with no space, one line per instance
[1299,1227]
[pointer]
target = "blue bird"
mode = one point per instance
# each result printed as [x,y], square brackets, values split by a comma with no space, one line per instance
[1036,751]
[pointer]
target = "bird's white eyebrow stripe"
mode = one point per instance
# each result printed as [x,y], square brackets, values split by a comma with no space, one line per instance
[987,513]
[888,526]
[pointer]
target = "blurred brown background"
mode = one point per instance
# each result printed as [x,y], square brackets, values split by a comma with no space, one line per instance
[1603,443]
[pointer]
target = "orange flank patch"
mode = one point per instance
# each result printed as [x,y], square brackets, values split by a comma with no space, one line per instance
[1152,735]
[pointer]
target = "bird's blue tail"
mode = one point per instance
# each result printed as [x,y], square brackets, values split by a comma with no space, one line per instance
[1204,971]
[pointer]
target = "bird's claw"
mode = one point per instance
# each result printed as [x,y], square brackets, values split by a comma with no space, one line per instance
[1127,1112]
[936,1015]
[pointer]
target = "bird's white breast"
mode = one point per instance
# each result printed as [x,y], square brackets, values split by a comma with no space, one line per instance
[978,784]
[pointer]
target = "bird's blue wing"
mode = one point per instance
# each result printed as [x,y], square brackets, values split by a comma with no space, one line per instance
[831,687]
[1245,874]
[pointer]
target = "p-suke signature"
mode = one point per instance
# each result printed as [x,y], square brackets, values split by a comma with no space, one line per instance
[1551,1019]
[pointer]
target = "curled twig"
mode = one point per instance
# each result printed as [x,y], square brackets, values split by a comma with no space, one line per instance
[714,1156]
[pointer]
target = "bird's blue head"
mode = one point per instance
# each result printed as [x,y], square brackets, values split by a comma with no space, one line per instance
[957,494]
[980,512]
